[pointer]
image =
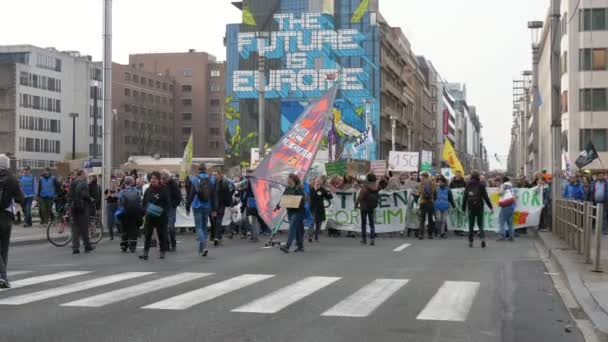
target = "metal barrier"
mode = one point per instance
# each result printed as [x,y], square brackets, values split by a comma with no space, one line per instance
[579,224]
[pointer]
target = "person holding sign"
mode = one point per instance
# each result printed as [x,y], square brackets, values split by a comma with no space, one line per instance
[293,200]
[475,194]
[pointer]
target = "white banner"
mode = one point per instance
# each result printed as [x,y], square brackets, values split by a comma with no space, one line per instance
[403,161]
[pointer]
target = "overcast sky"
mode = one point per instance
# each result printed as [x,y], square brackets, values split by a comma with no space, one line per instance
[483,43]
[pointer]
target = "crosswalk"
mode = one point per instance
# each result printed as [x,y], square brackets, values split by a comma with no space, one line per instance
[452,301]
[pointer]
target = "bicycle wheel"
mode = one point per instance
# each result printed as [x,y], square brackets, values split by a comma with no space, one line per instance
[58,232]
[95,230]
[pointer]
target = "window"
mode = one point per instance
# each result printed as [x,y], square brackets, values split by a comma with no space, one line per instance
[186,88]
[127,140]
[565,101]
[565,22]
[127,76]
[95,90]
[596,136]
[186,116]
[135,93]
[592,59]
[157,84]
[214,131]
[215,73]
[564,62]
[170,86]
[592,19]
[599,59]
[186,130]
[127,92]
[143,80]
[150,83]
[214,145]
[186,102]
[135,78]
[215,103]
[214,88]
[593,100]
[187,73]
[141,65]
[127,108]
[215,116]
[157,99]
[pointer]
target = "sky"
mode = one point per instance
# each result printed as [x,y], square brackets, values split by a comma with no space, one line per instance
[483,43]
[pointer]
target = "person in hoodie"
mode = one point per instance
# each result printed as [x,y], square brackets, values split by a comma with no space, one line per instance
[367,201]
[458,181]
[505,218]
[156,204]
[475,194]
[443,201]
[11,193]
[28,187]
[574,190]
[318,195]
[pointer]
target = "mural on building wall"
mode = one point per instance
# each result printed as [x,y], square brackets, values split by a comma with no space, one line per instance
[310,46]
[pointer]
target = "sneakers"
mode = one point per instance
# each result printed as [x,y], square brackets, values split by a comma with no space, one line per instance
[89,249]
[364,242]
[144,256]
[284,249]
[372,242]
[216,242]
[470,244]
[76,251]
[4,284]
[162,255]
[483,243]
[205,252]
[511,239]
[299,250]
[444,235]
[310,239]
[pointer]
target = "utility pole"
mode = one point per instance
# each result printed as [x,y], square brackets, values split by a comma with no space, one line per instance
[107,101]
[261,36]
[556,116]
[95,90]
[73,116]
[393,132]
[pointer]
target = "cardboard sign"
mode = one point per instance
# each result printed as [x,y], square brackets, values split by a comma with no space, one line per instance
[335,168]
[403,161]
[290,201]
[378,167]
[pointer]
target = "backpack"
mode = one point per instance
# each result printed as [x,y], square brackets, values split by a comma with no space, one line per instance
[474,196]
[373,199]
[427,191]
[78,196]
[131,203]
[204,189]
[5,200]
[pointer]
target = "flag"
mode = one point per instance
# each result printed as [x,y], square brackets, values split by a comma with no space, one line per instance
[587,156]
[449,155]
[248,18]
[360,11]
[187,158]
[294,153]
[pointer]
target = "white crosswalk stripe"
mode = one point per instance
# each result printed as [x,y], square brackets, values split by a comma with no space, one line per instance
[15,273]
[282,298]
[71,288]
[363,302]
[452,302]
[192,298]
[136,290]
[43,279]
[402,247]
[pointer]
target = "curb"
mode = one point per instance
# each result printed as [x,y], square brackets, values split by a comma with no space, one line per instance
[579,290]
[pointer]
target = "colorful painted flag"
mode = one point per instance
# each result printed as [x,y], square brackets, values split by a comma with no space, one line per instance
[187,159]
[449,155]
[248,18]
[360,11]
[294,153]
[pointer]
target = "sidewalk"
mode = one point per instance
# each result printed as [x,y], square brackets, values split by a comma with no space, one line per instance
[590,289]
[25,236]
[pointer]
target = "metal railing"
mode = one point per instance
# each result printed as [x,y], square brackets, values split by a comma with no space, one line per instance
[579,224]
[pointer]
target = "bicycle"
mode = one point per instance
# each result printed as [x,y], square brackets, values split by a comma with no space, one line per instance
[59,232]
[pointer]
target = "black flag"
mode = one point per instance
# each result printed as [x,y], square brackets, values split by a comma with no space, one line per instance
[587,156]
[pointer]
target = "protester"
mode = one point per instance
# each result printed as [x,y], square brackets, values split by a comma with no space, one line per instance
[203,201]
[587,189]
[544,186]
[224,189]
[95,192]
[48,186]
[156,203]
[426,201]
[443,201]
[255,221]
[475,194]
[507,208]
[111,197]
[130,214]
[318,195]
[295,215]
[81,205]
[28,187]
[10,193]
[367,201]
[574,189]
[599,196]
[172,185]
[458,181]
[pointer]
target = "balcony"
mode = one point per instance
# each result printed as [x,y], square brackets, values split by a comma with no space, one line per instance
[394,90]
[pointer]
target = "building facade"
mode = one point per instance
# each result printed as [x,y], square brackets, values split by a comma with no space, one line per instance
[41,90]
[144,114]
[192,70]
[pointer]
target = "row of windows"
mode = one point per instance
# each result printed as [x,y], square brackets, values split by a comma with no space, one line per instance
[215,73]
[214,88]
[599,137]
[91,110]
[39,103]
[141,126]
[35,163]
[48,62]
[41,82]
[148,81]
[95,74]
[593,59]
[149,112]
[147,142]
[32,123]
[212,130]
[212,116]
[92,131]
[39,145]
[149,97]
[92,152]
[593,99]
[93,90]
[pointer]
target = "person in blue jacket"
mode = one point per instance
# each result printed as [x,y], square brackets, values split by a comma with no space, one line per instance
[48,188]
[574,190]
[28,187]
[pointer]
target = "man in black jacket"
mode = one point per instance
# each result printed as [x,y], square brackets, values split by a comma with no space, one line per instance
[176,199]
[475,194]
[225,190]
[10,192]
[458,181]
[81,204]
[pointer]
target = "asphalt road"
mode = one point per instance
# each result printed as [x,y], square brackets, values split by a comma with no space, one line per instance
[338,290]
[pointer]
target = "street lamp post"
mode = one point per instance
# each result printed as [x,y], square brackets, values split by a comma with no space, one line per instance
[535,28]
[73,116]
[95,91]
[261,36]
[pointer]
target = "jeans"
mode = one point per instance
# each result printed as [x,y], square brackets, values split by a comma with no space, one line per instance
[112,207]
[171,218]
[505,218]
[6,224]
[160,224]
[27,211]
[254,223]
[80,228]
[296,230]
[201,215]
[46,210]
[476,214]
[441,224]
[365,215]
[427,210]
